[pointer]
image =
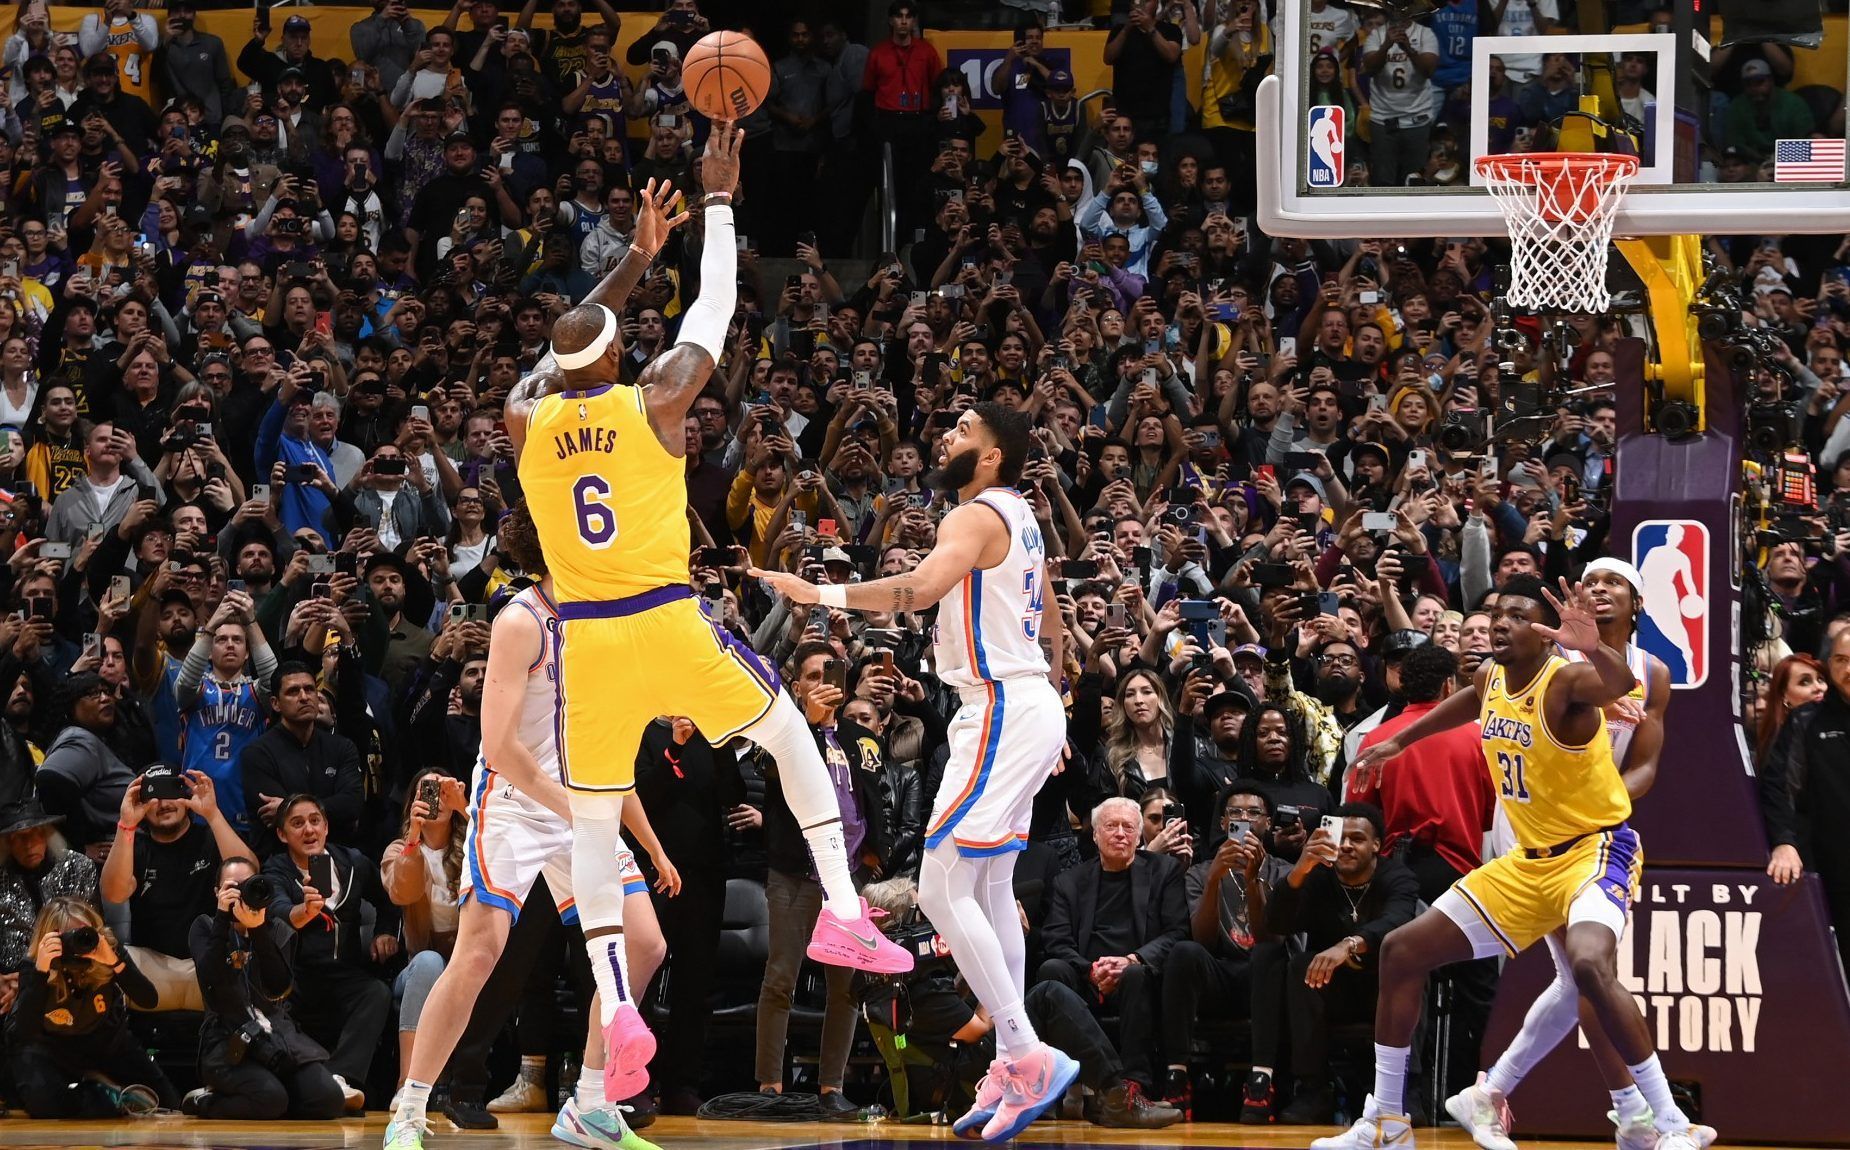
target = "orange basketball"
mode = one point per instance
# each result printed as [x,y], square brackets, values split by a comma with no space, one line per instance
[726,75]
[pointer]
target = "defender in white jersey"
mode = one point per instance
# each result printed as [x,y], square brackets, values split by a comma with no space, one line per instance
[520,829]
[988,575]
[1635,723]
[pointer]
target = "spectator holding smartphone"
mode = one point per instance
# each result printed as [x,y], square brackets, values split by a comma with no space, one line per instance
[319,886]
[72,1053]
[792,890]
[222,703]
[421,871]
[162,865]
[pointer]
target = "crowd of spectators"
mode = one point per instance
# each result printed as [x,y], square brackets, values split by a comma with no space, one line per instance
[254,343]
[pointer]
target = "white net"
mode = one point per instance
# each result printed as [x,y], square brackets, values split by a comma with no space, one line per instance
[1559,207]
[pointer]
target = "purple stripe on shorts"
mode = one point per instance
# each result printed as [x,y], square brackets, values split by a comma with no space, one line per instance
[1621,848]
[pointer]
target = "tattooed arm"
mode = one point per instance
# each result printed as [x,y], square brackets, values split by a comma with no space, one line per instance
[973,537]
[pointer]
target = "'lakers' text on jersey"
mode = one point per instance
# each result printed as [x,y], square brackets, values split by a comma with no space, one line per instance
[1550,790]
[608,500]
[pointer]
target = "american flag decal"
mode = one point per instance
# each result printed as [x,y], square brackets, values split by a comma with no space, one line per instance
[1803,161]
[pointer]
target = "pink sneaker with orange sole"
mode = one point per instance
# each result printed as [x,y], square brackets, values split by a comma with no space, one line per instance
[857,943]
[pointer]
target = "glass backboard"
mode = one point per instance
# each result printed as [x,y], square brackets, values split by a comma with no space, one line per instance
[1373,116]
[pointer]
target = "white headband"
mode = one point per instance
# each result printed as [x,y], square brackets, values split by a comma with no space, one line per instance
[1620,568]
[593,351]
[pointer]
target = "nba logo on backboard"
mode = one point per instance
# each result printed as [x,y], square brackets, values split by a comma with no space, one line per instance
[1672,556]
[1324,160]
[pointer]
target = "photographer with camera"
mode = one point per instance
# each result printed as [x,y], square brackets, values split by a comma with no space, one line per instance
[161,866]
[256,1063]
[72,1053]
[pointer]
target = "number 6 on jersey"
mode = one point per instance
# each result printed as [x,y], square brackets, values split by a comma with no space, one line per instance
[597,523]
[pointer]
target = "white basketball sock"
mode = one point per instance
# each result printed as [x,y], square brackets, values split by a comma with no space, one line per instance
[1390,1096]
[590,1091]
[1649,1075]
[413,1101]
[1629,1103]
[948,895]
[811,798]
[596,835]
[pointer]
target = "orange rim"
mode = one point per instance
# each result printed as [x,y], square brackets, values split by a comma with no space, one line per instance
[1534,167]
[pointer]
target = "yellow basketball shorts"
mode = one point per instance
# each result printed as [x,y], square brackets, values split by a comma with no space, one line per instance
[625,662]
[1508,903]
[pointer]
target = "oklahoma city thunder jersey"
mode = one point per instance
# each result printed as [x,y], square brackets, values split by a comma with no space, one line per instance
[1621,714]
[989,626]
[215,730]
[1551,791]
[609,501]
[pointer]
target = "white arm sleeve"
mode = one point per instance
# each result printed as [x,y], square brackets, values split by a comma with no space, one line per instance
[705,325]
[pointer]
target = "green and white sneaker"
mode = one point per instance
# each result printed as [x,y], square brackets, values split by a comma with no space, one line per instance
[1638,1132]
[603,1128]
[407,1134]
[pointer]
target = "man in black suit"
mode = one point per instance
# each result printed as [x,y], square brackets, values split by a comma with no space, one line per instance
[1110,925]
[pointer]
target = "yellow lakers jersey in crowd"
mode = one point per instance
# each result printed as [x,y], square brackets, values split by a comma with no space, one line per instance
[609,502]
[1551,790]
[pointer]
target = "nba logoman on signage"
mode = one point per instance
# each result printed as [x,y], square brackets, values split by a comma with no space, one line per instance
[1323,160]
[1673,558]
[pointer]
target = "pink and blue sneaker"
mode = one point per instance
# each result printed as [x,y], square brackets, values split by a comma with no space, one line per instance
[1030,1085]
[988,1097]
[855,943]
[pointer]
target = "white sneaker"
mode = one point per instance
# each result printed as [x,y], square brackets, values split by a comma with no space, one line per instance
[524,1096]
[1484,1113]
[355,1099]
[1639,1132]
[1689,1138]
[1395,1130]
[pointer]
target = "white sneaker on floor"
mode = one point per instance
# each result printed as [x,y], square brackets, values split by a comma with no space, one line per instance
[1378,1133]
[1689,1138]
[1638,1132]
[524,1096]
[1484,1113]
[355,1099]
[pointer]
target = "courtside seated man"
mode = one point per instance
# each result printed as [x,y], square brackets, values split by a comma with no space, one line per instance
[601,463]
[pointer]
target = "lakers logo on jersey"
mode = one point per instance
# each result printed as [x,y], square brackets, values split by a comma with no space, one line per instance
[1551,790]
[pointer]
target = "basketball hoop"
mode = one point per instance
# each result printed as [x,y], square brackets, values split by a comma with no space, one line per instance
[1559,207]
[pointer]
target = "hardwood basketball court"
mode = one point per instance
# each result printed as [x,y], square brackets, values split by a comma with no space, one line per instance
[530,1132]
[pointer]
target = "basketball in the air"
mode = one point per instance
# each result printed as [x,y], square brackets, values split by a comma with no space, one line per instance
[726,75]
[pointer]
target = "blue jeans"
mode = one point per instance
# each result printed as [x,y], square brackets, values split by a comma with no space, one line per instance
[413,985]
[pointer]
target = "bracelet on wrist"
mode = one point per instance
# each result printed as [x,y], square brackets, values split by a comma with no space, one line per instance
[129,827]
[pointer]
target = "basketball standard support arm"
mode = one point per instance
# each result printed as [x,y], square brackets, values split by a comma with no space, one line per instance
[1670,267]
